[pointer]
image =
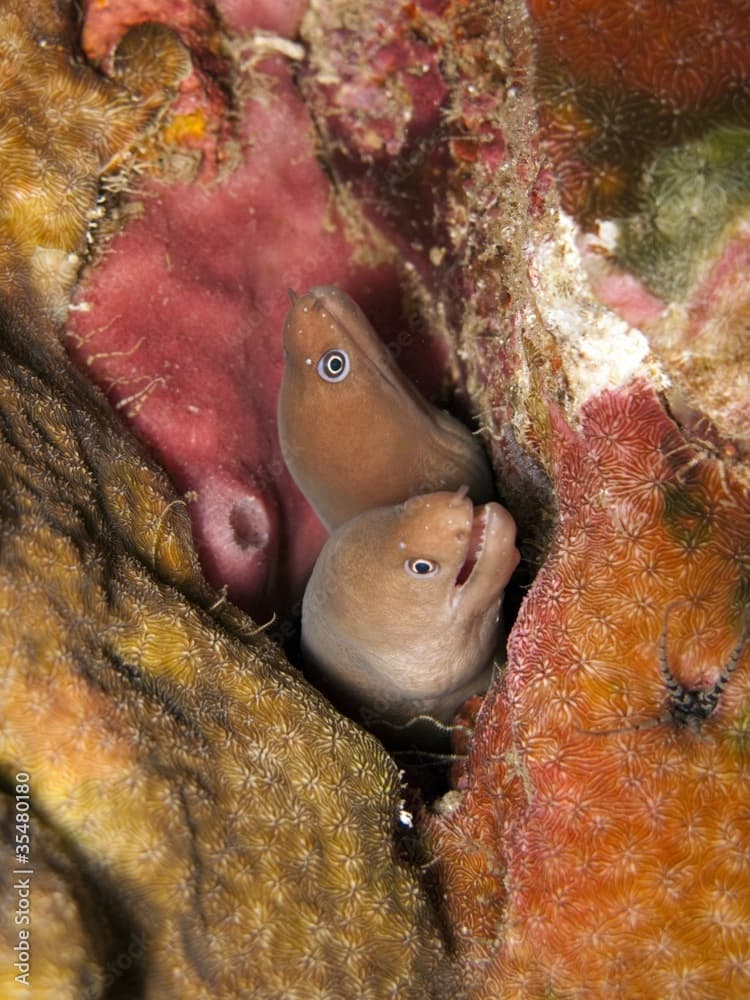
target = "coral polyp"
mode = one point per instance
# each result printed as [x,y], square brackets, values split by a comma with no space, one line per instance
[619,80]
[603,803]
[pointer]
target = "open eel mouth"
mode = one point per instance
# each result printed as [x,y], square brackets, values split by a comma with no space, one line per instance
[475,546]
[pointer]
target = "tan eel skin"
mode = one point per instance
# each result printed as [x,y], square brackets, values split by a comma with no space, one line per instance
[354,432]
[401,614]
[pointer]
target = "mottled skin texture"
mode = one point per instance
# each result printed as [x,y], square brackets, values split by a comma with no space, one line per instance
[399,642]
[363,438]
[194,801]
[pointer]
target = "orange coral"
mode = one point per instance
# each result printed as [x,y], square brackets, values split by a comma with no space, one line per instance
[689,54]
[601,844]
[619,79]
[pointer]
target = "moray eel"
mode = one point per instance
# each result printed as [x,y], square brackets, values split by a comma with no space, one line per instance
[401,614]
[354,432]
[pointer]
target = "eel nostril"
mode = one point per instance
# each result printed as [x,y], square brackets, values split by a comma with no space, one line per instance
[461,493]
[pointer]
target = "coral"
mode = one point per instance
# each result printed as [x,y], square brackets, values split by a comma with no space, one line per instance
[645,109]
[692,194]
[618,81]
[691,242]
[203,823]
[600,845]
[175,50]
[104,25]
[51,156]
[692,56]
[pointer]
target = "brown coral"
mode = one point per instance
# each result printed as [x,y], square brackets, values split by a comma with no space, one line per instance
[195,787]
[51,157]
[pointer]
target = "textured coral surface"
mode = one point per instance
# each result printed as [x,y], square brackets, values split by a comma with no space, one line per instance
[645,112]
[50,161]
[606,842]
[203,822]
[620,79]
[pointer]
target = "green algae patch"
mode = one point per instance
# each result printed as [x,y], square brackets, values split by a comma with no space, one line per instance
[692,194]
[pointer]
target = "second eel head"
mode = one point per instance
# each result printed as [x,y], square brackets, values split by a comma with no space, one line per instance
[401,614]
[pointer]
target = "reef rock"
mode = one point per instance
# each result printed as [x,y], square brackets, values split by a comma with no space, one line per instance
[544,205]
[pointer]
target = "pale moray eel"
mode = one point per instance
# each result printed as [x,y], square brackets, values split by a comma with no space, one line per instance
[401,614]
[354,432]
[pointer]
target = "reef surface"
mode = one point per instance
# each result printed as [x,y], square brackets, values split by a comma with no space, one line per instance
[556,229]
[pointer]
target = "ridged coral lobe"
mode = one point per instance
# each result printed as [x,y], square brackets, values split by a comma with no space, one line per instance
[52,155]
[602,836]
[190,780]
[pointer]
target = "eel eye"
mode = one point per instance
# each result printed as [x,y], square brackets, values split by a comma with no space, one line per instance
[421,567]
[334,366]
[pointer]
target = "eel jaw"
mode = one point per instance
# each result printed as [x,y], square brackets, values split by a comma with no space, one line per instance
[474,547]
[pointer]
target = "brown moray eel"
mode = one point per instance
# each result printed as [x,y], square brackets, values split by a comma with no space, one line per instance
[354,432]
[401,613]
[203,824]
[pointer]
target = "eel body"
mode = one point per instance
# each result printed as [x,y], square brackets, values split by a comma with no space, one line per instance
[401,614]
[354,432]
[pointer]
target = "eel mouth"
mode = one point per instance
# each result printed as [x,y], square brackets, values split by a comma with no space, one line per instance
[475,547]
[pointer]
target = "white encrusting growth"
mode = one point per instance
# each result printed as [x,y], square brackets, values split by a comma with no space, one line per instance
[600,350]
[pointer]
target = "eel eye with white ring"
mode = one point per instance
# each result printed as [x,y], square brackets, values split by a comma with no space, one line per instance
[421,567]
[334,365]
